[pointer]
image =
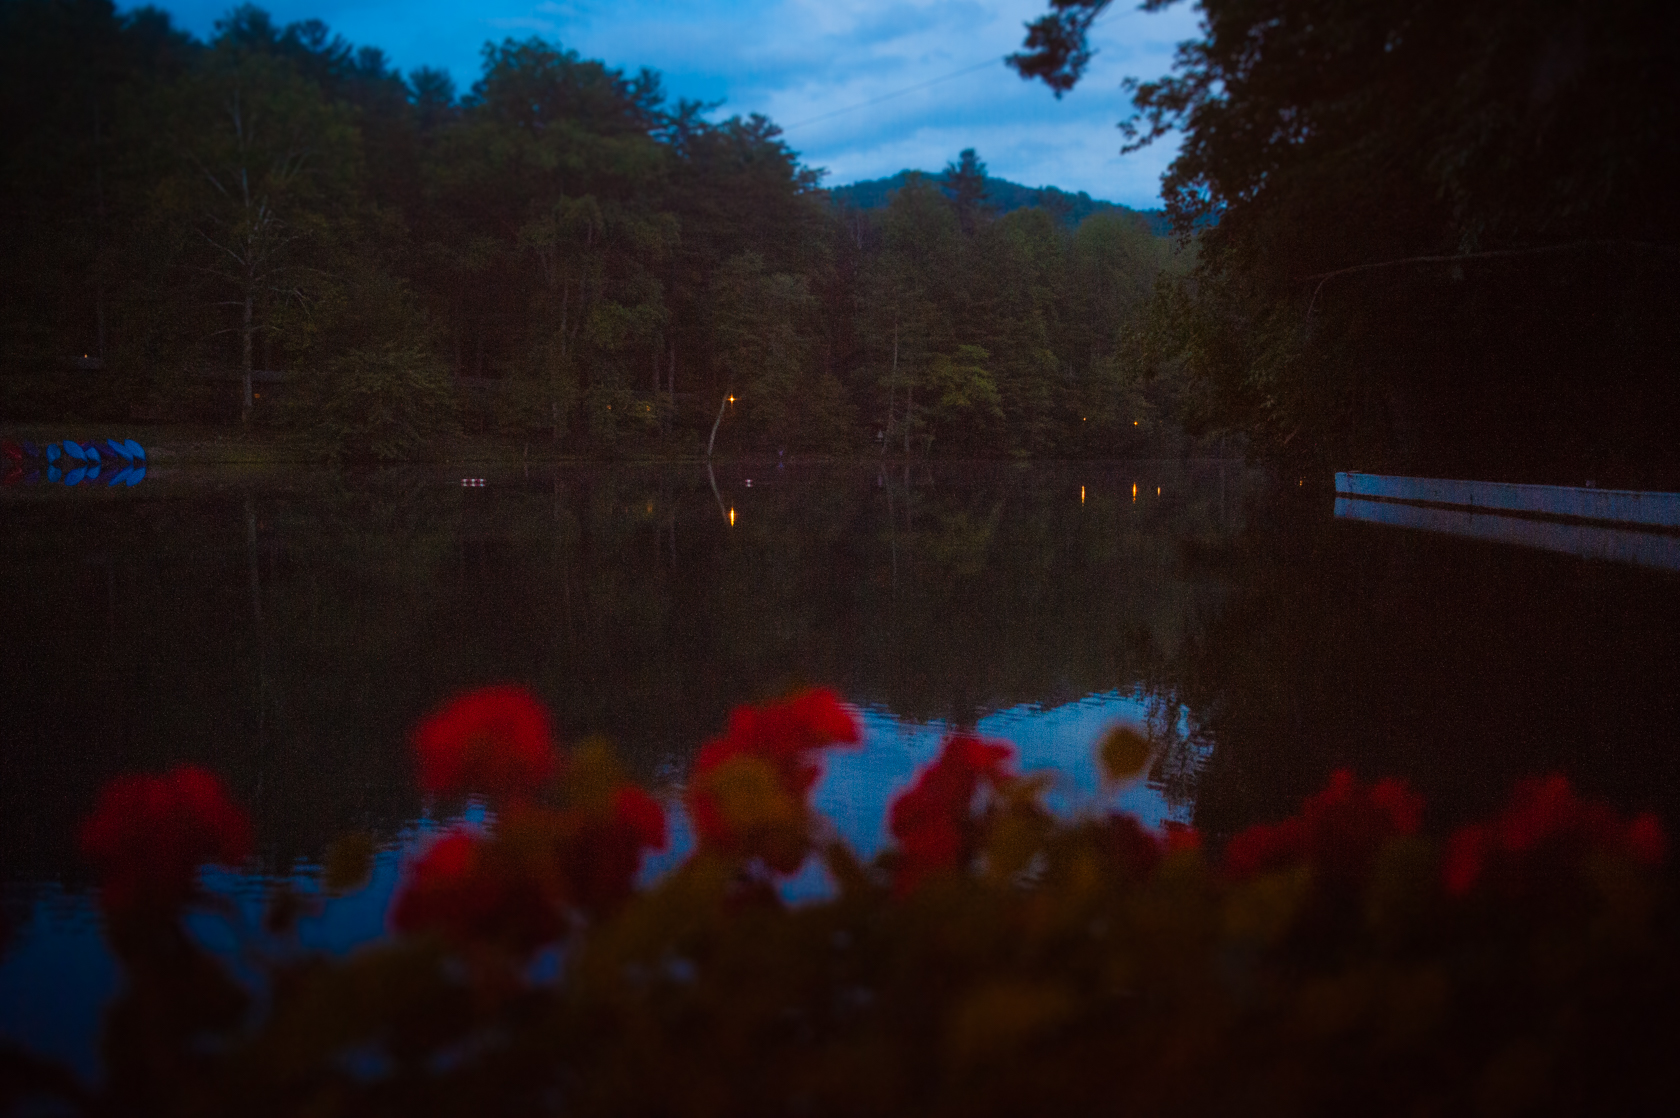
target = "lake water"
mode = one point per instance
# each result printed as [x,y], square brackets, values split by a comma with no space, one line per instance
[286,629]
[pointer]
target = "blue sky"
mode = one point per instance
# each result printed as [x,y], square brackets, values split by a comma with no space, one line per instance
[808,63]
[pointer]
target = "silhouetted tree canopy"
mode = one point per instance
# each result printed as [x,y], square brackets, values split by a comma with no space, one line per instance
[1426,231]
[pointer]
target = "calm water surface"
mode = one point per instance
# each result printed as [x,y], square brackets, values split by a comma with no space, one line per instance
[287,629]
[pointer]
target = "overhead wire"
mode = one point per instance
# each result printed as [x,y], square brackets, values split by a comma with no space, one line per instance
[918,86]
[894,93]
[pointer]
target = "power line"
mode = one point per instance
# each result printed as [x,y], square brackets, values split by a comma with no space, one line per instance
[894,93]
[919,85]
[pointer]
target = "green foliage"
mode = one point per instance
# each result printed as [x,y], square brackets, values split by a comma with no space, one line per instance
[763,327]
[385,402]
[964,395]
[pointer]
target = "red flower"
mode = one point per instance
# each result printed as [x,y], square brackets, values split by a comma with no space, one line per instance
[786,734]
[495,740]
[930,820]
[1545,823]
[1467,851]
[149,834]
[1139,851]
[1646,841]
[642,815]
[748,796]
[471,890]
[604,853]
[1338,830]
[1179,838]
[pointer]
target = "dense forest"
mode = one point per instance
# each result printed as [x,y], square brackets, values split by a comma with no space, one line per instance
[1432,235]
[277,228]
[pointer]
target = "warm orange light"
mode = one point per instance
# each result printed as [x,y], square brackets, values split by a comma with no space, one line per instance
[732,518]
[1134,423]
[1157,491]
[1134,490]
[732,399]
[1082,494]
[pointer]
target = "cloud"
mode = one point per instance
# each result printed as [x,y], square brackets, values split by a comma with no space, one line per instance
[864,88]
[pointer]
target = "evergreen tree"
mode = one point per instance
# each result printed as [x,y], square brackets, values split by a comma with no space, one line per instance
[965,182]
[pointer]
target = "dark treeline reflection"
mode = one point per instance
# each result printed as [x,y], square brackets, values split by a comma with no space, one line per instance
[287,633]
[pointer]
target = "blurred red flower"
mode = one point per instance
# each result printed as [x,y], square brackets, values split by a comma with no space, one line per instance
[1545,822]
[149,834]
[604,854]
[1337,831]
[472,891]
[786,734]
[1139,851]
[748,794]
[642,815]
[495,740]
[930,819]
[1179,837]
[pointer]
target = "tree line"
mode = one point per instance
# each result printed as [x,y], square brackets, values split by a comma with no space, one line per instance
[278,227]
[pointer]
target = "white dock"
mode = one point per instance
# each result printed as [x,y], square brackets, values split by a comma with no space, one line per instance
[1608,506]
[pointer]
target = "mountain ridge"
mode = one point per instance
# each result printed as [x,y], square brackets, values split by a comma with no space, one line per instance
[1004,195]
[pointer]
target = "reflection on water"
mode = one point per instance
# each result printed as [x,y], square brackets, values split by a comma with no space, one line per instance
[286,630]
[1591,541]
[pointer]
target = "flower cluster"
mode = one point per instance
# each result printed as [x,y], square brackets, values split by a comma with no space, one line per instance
[931,820]
[496,740]
[473,889]
[1337,832]
[1544,824]
[1009,949]
[750,786]
[149,834]
[520,886]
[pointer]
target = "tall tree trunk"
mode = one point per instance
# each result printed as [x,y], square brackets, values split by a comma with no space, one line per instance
[892,385]
[554,376]
[909,403]
[713,440]
[246,333]
[98,239]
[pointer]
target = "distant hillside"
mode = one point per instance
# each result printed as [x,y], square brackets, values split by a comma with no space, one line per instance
[1004,196]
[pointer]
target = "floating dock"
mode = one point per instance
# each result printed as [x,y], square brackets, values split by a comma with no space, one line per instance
[1608,506]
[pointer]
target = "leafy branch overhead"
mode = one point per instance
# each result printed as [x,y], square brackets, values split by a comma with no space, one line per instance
[1414,220]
